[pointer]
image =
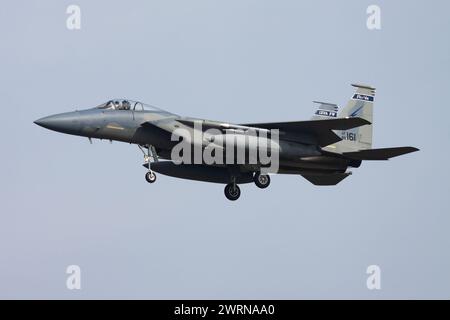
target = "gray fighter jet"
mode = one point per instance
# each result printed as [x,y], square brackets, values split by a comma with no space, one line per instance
[321,149]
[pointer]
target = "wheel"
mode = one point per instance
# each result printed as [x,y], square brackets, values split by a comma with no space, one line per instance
[232,191]
[150,177]
[261,180]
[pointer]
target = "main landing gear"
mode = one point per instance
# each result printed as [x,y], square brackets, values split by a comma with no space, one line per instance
[150,156]
[261,180]
[233,192]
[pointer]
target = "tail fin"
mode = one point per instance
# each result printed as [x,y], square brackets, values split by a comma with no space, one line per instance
[325,111]
[360,105]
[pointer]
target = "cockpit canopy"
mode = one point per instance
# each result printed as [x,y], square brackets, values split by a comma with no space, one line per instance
[126,104]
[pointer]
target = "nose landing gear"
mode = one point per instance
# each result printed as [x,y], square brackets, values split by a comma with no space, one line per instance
[150,156]
[150,176]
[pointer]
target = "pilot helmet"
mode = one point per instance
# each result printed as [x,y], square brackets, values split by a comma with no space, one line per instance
[126,104]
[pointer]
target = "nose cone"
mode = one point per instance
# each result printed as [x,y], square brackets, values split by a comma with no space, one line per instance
[63,122]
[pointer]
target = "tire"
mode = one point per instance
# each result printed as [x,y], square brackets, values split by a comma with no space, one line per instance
[232,192]
[262,181]
[150,177]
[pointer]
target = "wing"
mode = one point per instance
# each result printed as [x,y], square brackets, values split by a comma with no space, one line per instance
[315,131]
[320,130]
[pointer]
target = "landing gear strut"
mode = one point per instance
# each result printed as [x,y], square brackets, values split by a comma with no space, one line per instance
[149,157]
[261,180]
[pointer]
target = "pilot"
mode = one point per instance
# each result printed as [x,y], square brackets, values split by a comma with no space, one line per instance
[117,105]
[126,105]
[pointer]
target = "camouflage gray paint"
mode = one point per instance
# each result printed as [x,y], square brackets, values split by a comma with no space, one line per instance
[321,149]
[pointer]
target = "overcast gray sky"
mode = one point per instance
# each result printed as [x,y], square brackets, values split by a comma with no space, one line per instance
[64,201]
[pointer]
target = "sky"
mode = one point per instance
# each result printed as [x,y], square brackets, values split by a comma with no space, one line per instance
[67,202]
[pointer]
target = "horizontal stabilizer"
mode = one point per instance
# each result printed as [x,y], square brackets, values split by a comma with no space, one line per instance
[325,179]
[379,154]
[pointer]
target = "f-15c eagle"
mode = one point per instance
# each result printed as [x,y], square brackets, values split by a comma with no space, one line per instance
[321,149]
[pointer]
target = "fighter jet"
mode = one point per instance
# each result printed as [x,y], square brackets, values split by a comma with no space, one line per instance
[321,149]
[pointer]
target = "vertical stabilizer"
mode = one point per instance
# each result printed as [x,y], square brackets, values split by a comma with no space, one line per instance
[360,105]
